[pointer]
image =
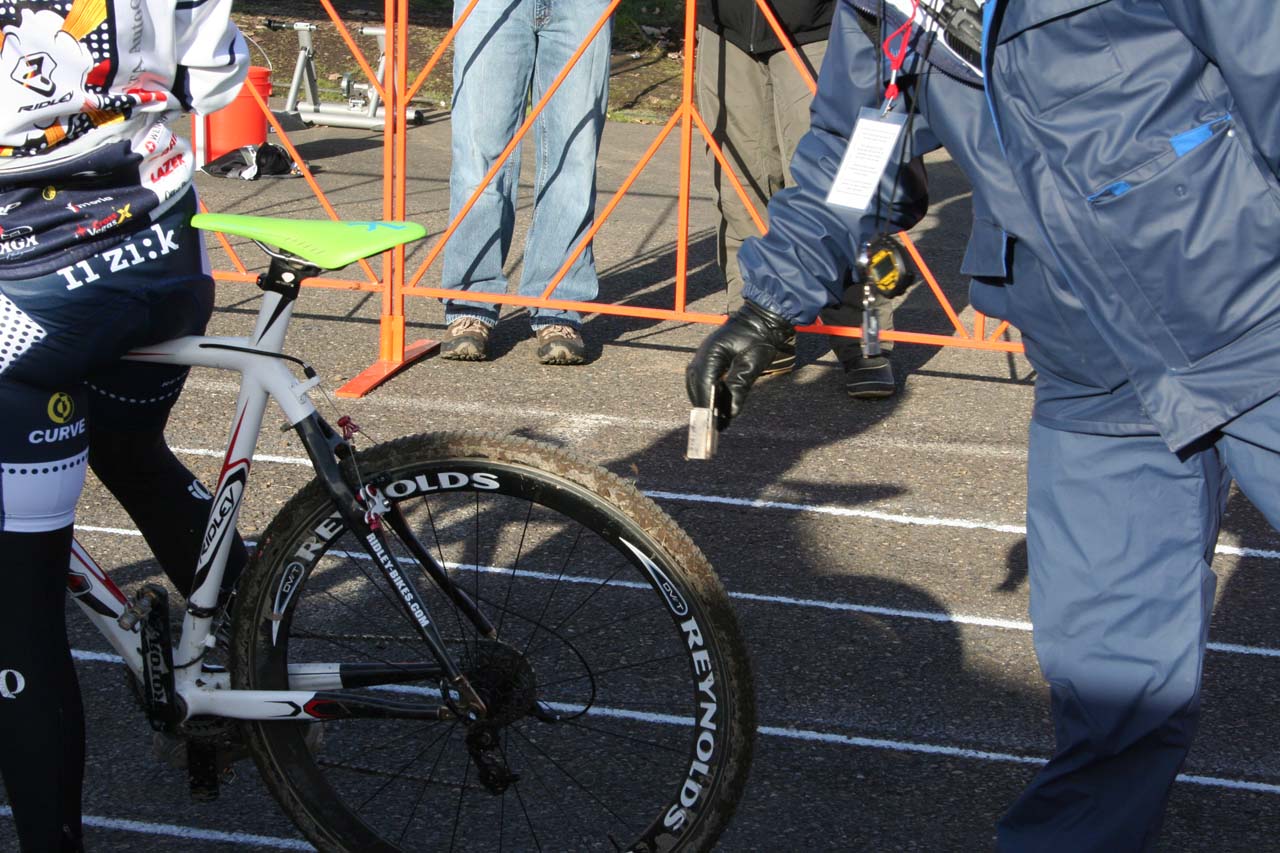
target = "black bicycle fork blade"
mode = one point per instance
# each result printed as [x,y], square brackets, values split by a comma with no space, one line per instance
[436,570]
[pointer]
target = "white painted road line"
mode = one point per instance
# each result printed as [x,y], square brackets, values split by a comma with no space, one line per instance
[582,426]
[190,833]
[785,506]
[785,600]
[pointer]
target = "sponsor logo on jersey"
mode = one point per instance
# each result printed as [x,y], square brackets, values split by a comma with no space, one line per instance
[76,207]
[12,683]
[166,167]
[35,72]
[106,223]
[6,209]
[16,241]
[49,193]
[61,408]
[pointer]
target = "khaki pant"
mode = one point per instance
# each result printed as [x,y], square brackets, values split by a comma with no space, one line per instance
[758,109]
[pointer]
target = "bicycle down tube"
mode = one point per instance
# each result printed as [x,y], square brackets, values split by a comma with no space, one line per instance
[259,360]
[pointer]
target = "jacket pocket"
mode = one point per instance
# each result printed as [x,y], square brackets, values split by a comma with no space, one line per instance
[1062,58]
[1193,235]
[987,254]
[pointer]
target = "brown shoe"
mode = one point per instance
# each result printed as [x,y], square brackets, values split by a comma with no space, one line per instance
[560,345]
[466,339]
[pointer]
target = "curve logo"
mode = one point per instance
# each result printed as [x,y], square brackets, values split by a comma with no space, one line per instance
[11,683]
[61,408]
[674,599]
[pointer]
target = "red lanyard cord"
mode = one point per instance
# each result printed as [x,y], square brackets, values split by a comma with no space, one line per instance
[897,55]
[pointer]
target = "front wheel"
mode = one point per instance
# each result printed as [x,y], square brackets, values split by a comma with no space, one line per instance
[619,703]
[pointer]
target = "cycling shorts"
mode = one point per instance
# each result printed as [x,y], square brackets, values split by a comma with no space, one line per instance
[61,338]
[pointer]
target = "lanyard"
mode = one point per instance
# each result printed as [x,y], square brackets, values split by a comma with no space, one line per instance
[897,55]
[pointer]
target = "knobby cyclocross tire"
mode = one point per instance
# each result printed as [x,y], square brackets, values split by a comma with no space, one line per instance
[621,711]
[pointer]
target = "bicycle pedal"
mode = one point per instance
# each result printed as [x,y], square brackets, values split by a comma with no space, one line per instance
[203,778]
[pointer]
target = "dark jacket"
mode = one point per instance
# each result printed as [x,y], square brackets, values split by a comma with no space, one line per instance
[741,23]
[1144,136]
[797,267]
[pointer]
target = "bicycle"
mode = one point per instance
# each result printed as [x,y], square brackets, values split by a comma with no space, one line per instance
[590,691]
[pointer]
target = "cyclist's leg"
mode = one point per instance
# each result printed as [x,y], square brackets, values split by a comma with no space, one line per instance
[43,445]
[129,405]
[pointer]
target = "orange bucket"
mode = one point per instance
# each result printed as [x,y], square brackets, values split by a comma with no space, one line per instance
[241,122]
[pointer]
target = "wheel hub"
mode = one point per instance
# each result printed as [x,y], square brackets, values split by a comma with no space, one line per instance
[505,680]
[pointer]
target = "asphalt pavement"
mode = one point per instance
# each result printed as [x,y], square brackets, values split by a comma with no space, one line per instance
[874,550]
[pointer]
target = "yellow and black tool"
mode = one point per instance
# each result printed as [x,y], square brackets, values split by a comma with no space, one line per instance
[883,264]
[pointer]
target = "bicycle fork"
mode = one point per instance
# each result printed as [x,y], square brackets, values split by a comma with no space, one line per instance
[363,509]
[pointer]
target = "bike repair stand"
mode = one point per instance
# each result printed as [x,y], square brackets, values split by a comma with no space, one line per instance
[363,108]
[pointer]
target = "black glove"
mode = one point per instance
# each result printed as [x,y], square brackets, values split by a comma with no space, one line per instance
[732,358]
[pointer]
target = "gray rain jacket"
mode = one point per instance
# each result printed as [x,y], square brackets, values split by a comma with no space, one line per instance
[798,266]
[1144,136]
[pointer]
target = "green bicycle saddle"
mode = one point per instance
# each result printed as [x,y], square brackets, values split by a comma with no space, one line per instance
[327,244]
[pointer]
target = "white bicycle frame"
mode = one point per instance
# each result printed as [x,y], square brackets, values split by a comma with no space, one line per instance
[263,376]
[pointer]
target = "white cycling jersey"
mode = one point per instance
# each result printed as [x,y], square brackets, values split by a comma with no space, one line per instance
[87,85]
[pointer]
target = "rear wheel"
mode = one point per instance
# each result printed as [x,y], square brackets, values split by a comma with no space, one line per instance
[620,708]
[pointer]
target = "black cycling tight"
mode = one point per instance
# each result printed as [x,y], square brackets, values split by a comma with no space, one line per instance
[43,766]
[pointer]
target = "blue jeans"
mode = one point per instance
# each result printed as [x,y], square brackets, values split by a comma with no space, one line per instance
[505,48]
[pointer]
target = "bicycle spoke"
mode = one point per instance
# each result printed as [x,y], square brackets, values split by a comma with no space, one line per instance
[408,763]
[515,566]
[533,832]
[596,673]
[574,779]
[547,603]
[578,629]
[462,793]
[578,724]
[435,534]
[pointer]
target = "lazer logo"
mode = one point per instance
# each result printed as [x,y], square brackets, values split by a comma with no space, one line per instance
[166,167]
[35,72]
[11,683]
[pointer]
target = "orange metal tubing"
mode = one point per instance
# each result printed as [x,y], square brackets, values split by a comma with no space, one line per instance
[511,146]
[439,52]
[355,49]
[796,59]
[396,95]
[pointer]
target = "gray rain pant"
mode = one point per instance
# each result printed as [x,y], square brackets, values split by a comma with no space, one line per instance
[1120,535]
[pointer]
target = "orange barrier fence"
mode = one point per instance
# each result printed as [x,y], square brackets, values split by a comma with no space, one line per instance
[395,285]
